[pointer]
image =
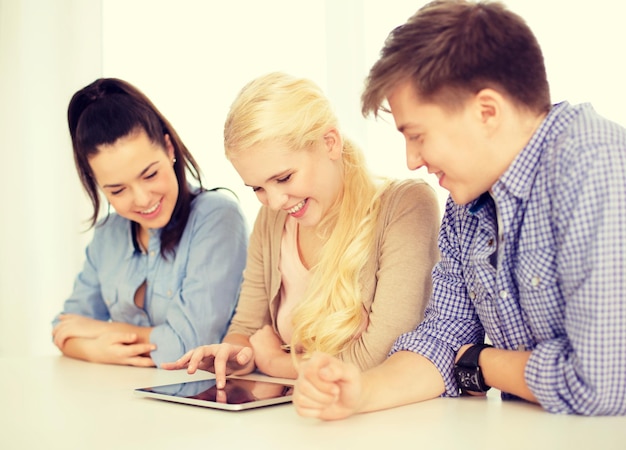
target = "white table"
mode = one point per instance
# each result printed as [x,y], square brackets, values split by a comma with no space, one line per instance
[59,403]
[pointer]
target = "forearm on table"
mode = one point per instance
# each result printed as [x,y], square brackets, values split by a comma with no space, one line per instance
[78,348]
[281,366]
[504,370]
[142,333]
[403,378]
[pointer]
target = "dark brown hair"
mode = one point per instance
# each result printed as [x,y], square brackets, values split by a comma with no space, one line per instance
[109,109]
[452,49]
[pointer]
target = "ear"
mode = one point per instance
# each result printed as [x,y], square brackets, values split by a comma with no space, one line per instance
[489,106]
[169,148]
[333,143]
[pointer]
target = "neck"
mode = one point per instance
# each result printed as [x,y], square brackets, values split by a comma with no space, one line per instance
[143,237]
[515,136]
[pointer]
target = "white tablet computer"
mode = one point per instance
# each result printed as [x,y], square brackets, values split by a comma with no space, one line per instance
[238,393]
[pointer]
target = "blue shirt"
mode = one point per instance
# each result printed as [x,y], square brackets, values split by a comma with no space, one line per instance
[555,282]
[190,297]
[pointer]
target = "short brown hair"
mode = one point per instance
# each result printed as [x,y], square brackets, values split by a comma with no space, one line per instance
[450,49]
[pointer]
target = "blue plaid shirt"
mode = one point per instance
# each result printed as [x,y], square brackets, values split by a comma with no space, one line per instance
[552,280]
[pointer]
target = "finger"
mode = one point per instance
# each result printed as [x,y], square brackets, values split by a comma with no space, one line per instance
[123,338]
[66,317]
[180,363]
[135,350]
[60,335]
[307,412]
[220,396]
[219,364]
[140,361]
[59,340]
[245,355]
[307,395]
[321,373]
[198,357]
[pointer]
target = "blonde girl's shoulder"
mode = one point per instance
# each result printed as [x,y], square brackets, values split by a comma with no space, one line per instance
[410,190]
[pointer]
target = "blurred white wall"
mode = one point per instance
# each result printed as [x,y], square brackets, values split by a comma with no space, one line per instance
[46,50]
[191,57]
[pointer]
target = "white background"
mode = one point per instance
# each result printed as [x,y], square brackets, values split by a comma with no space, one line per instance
[191,57]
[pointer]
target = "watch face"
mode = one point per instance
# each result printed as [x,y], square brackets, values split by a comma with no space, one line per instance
[468,379]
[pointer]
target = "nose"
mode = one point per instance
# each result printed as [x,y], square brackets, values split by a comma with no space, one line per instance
[413,159]
[141,197]
[276,200]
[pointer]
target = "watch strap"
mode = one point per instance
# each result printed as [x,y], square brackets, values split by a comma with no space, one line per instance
[470,357]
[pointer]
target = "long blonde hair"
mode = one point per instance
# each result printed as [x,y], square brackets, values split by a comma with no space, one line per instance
[281,108]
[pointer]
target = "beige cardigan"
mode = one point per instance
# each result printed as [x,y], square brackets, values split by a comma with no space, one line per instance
[396,280]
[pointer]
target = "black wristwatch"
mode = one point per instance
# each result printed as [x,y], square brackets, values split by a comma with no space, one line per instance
[467,371]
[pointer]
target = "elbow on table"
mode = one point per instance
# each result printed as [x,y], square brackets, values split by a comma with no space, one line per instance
[605,401]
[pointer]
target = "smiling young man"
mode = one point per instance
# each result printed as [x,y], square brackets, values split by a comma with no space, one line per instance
[532,243]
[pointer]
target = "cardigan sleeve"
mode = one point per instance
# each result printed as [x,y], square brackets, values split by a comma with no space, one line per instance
[253,310]
[400,270]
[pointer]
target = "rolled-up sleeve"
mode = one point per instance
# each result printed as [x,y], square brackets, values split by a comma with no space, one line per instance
[450,319]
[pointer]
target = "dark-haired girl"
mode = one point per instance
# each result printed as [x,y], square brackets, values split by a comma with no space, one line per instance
[163,271]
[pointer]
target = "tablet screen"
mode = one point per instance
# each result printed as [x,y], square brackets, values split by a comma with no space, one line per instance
[238,393]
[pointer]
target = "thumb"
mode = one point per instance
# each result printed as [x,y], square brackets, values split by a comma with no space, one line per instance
[245,355]
[331,369]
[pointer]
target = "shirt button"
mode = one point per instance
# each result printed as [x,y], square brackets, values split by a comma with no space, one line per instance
[503,294]
[169,293]
[152,253]
[490,242]
[535,281]
[472,295]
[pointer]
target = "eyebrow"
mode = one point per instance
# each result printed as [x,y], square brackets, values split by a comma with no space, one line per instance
[143,172]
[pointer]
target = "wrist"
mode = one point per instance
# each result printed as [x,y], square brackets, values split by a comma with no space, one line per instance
[468,373]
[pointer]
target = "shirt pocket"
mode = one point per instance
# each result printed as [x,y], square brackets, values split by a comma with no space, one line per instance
[164,292]
[539,292]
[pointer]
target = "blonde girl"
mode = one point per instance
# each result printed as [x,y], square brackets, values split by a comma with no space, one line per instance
[338,261]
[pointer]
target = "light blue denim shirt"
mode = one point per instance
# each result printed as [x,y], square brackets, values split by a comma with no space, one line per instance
[190,297]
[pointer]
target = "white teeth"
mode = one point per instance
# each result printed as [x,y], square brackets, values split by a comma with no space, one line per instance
[296,208]
[151,210]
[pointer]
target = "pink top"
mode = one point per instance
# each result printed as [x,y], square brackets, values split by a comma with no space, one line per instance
[294,279]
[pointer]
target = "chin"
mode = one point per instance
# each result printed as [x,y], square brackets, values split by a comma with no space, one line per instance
[461,199]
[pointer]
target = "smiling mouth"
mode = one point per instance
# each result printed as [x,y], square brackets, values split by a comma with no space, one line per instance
[298,207]
[151,210]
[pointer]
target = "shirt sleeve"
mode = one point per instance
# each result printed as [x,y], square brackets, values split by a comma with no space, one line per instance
[202,308]
[403,266]
[450,319]
[584,371]
[253,310]
[86,297]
